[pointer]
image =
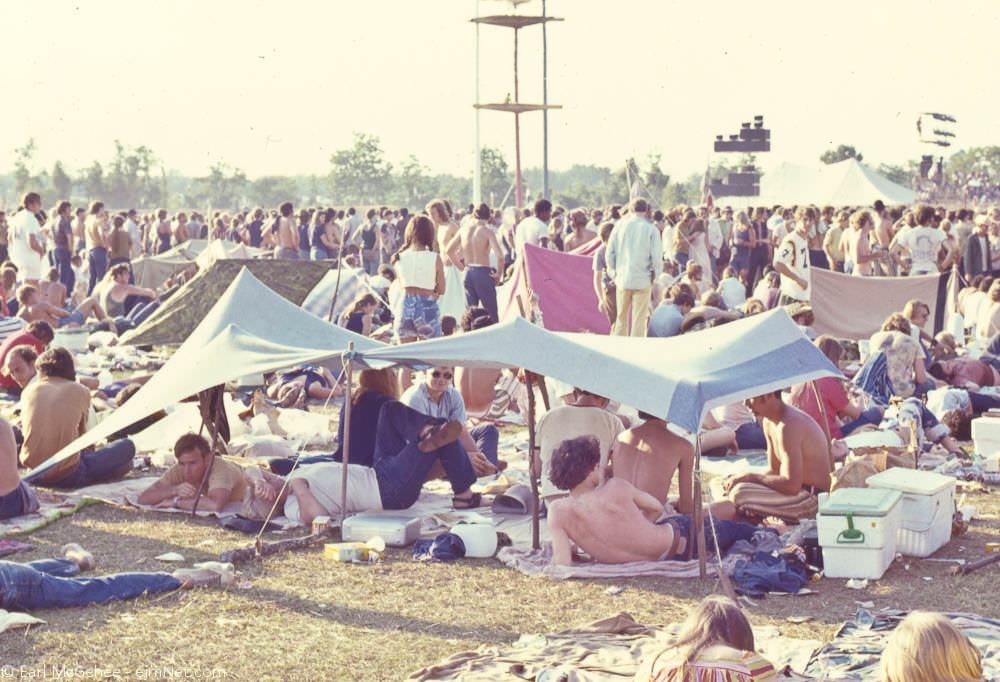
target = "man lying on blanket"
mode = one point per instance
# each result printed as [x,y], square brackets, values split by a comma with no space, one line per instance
[799,465]
[228,482]
[616,522]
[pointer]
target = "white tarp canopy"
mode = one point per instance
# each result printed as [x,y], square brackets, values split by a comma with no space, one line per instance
[846,183]
[678,379]
[252,329]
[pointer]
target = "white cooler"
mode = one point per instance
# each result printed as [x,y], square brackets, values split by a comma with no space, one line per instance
[986,437]
[857,530]
[928,507]
[398,529]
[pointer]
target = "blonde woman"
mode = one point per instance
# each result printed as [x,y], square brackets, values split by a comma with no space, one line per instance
[453,301]
[927,647]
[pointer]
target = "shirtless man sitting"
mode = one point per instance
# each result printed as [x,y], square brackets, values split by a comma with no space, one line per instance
[52,290]
[616,522]
[32,309]
[798,464]
[474,242]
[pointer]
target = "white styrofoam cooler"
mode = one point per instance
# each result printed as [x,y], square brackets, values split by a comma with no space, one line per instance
[397,529]
[928,507]
[986,437]
[874,515]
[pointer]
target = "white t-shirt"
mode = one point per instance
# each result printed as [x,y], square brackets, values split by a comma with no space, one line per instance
[923,243]
[733,292]
[21,227]
[531,230]
[794,253]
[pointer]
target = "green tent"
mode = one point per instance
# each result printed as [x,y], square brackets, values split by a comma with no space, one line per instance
[181,313]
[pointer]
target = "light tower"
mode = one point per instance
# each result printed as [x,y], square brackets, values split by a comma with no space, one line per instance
[511,105]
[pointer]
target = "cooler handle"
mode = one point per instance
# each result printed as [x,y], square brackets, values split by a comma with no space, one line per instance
[934,519]
[852,535]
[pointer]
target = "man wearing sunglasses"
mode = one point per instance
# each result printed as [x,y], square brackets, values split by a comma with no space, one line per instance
[436,397]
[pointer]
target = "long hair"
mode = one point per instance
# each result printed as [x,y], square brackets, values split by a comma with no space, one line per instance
[379,380]
[716,620]
[420,230]
[927,647]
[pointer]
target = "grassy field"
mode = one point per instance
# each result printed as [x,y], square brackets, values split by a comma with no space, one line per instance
[300,617]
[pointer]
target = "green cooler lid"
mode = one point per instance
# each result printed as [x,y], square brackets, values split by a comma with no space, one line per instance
[860,502]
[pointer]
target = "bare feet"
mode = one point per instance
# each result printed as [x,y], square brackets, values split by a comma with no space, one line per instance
[79,556]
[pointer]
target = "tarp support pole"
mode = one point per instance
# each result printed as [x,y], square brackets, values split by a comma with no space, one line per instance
[535,544]
[346,445]
[826,422]
[699,511]
[207,400]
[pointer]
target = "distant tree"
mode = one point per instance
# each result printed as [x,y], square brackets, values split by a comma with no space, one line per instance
[968,161]
[222,188]
[93,181]
[361,174]
[901,175]
[842,152]
[129,182]
[656,180]
[23,157]
[496,175]
[271,190]
[413,186]
[62,183]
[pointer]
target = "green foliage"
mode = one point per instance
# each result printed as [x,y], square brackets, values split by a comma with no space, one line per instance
[901,175]
[222,188]
[93,181]
[975,159]
[271,190]
[23,156]
[842,152]
[361,174]
[62,183]
[496,175]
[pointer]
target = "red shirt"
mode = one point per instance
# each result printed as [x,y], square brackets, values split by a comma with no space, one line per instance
[834,397]
[22,339]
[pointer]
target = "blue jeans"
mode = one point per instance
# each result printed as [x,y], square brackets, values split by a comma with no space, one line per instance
[420,318]
[481,289]
[20,500]
[681,259]
[139,313]
[487,438]
[61,260]
[727,531]
[872,415]
[109,463]
[400,466]
[750,436]
[98,261]
[318,253]
[982,401]
[47,583]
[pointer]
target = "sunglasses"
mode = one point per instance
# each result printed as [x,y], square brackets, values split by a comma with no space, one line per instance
[438,375]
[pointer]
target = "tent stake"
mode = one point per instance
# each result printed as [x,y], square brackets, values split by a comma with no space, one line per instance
[346,445]
[699,512]
[535,544]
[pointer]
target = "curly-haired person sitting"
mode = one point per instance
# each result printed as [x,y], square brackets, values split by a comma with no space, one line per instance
[616,522]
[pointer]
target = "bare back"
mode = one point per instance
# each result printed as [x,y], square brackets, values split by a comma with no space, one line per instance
[287,236]
[649,455]
[445,233]
[608,524]
[477,240]
[476,386]
[797,443]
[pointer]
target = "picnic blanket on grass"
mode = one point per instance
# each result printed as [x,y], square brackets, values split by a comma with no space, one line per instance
[856,650]
[606,650]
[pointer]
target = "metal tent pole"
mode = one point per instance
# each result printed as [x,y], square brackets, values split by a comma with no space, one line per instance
[545,111]
[698,530]
[346,445]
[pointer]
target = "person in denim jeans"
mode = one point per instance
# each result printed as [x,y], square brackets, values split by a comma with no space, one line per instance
[50,583]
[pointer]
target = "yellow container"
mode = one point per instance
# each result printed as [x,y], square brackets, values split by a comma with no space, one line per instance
[993,547]
[348,552]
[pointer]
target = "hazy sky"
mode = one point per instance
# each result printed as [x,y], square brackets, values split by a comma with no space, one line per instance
[276,87]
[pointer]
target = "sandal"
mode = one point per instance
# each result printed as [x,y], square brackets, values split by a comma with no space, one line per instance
[467,502]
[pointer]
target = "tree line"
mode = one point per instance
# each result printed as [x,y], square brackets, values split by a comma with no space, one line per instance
[363,175]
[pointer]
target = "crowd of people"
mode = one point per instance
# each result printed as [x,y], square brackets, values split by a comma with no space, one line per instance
[617,484]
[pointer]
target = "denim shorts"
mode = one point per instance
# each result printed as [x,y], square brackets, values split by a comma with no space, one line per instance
[420,318]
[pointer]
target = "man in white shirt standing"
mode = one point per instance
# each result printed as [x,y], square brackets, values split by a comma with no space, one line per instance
[535,228]
[25,240]
[923,243]
[634,258]
[791,258]
[132,227]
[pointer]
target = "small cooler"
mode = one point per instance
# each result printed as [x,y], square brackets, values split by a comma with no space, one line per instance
[857,529]
[928,507]
[986,439]
[397,529]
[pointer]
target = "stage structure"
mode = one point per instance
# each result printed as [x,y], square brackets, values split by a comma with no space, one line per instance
[749,140]
[512,105]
